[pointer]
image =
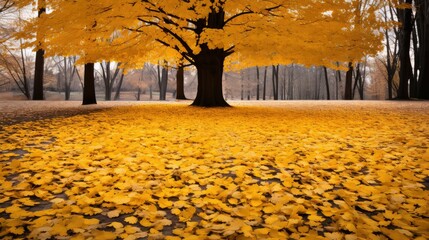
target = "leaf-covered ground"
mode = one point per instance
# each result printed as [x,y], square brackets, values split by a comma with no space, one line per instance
[312,170]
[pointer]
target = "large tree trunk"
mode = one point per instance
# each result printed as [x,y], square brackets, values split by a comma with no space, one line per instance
[89,85]
[423,14]
[209,64]
[348,94]
[39,64]
[405,42]
[180,83]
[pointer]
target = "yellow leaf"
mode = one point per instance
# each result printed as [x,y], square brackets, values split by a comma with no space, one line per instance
[113,213]
[261,231]
[187,214]
[103,235]
[131,220]
[116,225]
[394,234]
[146,223]
[303,229]
[119,199]
[334,235]
[4,199]
[315,218]
[164,203]
[247,230]
[91,221]
[59,229]
[16,230]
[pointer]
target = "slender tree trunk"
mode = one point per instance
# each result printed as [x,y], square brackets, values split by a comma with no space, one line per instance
[139,91]
[337,83]
[413,83]
[89,85]
[423,84]
[328,95]
[405,40]
[265,84]
[275,78]
[164,82]
[291,83]
[242,85]
[358,82]
[258,82]
[180,81]
[349,81]
[66,81]
[25,89]
[118,88]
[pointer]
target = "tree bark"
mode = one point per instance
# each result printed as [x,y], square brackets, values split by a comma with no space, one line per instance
[89,85]
[209,64]
[180,83]
[349,81]
[405,42]
[39,65]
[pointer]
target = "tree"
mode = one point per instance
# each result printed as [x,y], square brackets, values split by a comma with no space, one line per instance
[15,68]
[5,5]
[205,33]
[110,77]
[67,69]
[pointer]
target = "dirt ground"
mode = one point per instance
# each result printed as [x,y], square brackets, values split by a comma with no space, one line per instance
[15,111]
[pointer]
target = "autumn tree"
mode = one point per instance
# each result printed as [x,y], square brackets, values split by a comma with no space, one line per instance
[112,76]
[212,34]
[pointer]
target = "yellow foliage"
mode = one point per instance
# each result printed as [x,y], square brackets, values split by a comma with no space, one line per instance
[250,172]
[260,32]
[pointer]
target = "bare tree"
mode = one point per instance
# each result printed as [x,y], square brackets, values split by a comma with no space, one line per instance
[110,76]
[14,67]
[6,5]
[68,70]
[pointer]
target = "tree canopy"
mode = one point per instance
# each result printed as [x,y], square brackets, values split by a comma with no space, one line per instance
[248,32]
